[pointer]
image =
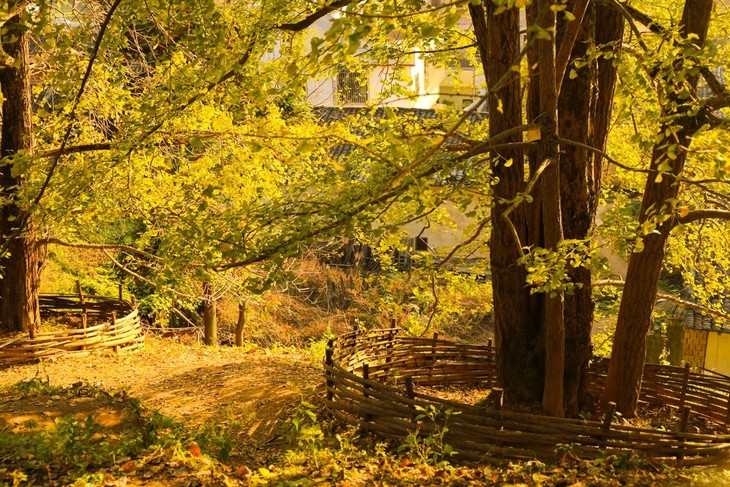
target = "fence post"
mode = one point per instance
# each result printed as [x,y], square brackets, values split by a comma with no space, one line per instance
[684,423]
[411,396]
[113,327]
[497,396]
[685,385]
[433,356]
[82,302]
[389,348]
[366,377]
[327,365]
[609,415]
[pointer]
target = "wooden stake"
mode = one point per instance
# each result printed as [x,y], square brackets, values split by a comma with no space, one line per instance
[685,385]
[683,424]
[411,395]
[114,322]
[609,415]
[82,302]
[366,376]
[497,397]
[328,363]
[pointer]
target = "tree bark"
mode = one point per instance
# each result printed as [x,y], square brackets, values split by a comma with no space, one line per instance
[584,109]
[553,326]
[634,321]
[19,266]
[210,318]
[520,358]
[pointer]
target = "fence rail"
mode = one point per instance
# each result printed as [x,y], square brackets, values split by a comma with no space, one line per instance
[120,330]
[370,376]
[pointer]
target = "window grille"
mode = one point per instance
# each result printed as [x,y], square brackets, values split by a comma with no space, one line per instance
[350,89]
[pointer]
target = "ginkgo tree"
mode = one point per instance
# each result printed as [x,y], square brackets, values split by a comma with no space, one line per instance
[189,125]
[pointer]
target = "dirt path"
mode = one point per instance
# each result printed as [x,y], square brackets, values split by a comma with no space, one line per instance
[255,389]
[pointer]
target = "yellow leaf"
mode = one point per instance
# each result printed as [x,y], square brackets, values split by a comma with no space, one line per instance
[508,163]
[683,211]
[533,135]
[658,178]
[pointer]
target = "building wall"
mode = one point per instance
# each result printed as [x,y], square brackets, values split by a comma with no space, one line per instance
[717,357]
[442,238]
[694,346]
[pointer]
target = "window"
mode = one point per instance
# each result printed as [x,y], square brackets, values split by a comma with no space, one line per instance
[403,259]
[421,244]
[350,89]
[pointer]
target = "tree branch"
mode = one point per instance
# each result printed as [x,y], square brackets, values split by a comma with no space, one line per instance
[88,246]
[568,41]
[314,16]
[127,270]
[704,214]
[668,297]
[602,154]
[74,149]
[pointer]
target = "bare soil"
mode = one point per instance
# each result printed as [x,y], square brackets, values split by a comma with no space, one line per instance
[254,389]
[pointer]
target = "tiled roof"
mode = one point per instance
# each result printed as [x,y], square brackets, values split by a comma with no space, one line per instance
[696,320]
[328,115]
[334,114]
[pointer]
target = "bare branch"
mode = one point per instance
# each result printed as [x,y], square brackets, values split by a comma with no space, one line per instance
[89,246]
[704,214]
[314,16]
[126,269]
[610,159]
[668,297]
[74,149]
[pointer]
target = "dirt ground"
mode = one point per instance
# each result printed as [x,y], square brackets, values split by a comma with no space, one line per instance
[255,389]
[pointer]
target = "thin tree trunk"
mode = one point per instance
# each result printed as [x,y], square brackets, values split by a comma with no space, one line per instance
[554,330]
[19,266]
[210,320]
[623,382]
[240,324]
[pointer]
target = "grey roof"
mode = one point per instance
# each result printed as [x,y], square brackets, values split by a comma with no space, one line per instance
[697,320]
[328,115]
[334,114]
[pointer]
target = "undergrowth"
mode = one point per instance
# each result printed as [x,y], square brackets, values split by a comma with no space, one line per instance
[150,446]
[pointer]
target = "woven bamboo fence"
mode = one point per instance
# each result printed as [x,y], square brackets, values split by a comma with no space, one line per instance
[370,378]
[117,327]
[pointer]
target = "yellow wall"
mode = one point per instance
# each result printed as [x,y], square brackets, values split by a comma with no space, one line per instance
[694,347]
[718,352]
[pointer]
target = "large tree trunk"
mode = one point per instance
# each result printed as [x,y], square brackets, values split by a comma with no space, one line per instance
[584,114]
[521,321]
[520,358]
[19,265]
[662,187]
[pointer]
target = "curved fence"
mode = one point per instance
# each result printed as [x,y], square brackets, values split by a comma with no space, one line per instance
[120,329]
[370,378]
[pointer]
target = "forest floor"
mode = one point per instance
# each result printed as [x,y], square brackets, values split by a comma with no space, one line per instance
[229,416]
